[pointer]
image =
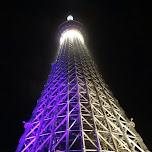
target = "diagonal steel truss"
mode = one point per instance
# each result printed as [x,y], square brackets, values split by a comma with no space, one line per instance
[77,112]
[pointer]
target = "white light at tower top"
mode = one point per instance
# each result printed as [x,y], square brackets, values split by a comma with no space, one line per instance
[70,17]
[71,34]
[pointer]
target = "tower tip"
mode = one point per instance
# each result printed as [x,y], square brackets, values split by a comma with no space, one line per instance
[70,17]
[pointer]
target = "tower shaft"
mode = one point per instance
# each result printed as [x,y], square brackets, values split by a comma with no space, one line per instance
[77,112]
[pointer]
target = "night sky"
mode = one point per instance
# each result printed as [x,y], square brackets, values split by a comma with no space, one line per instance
[117,39]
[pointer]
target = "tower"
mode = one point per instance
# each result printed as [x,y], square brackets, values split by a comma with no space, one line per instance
[76,111]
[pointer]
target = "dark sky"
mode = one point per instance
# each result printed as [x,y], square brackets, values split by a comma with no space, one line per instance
[117,39]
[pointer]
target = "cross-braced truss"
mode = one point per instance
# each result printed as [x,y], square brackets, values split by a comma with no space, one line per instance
[77,112]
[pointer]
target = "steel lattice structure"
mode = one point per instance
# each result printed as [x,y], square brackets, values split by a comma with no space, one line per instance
[77,112]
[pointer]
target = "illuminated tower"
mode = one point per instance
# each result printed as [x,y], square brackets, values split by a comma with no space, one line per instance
[77,112]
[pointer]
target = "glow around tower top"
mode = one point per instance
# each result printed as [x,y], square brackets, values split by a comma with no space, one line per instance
[69,29]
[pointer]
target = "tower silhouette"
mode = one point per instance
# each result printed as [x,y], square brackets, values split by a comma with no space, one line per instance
[77,112]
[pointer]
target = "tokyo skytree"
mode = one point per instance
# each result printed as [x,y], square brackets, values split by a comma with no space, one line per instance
[76,111]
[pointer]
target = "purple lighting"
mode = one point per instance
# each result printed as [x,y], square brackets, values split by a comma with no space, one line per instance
[76,111]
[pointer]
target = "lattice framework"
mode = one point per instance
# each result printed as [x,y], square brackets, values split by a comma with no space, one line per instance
[77,112]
